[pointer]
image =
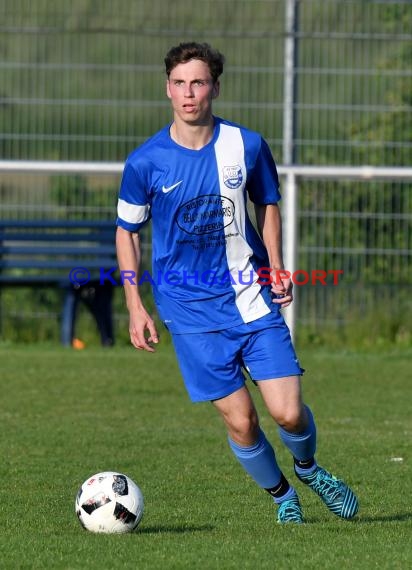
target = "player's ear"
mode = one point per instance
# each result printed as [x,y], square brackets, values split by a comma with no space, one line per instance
[168,88]
[216,90]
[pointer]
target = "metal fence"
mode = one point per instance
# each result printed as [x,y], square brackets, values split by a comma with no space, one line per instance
[348,236]
[84,80]
[362,229]
[331,78]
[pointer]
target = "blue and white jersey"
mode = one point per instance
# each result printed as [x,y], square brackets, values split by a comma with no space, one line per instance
[205,249]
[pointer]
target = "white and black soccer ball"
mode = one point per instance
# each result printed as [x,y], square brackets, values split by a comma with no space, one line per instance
[109,502]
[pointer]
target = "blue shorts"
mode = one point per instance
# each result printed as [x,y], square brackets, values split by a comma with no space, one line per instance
[212,363]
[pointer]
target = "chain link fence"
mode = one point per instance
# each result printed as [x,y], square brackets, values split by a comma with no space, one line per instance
[85,81]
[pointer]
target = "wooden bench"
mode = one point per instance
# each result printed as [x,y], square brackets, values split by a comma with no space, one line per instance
[49,253]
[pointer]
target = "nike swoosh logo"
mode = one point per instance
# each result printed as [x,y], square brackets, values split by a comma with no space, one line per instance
[169,188]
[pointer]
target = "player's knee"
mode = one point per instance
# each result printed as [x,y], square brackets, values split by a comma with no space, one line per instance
[291,419]
[244,429]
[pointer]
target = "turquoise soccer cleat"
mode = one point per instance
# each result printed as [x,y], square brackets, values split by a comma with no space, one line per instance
[336,495]
[290,511]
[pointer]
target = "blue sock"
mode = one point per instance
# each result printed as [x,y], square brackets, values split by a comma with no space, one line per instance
[259,461]
[290,494]
[302,445]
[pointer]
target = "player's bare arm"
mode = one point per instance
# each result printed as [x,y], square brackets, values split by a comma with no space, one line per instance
[269,224]
[129,255]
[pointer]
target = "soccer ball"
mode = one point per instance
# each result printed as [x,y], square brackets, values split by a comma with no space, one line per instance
[109,502]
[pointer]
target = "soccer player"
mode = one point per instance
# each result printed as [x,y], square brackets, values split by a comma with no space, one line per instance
[193,179]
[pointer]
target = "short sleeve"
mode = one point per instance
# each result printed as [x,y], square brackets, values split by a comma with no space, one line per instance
[133,207]
[263,181]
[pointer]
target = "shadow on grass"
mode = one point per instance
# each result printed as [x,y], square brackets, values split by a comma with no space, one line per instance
[175,529]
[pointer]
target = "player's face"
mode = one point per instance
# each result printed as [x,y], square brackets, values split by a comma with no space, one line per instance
[191,89]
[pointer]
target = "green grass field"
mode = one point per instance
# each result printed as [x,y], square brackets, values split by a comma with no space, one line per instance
[66,415]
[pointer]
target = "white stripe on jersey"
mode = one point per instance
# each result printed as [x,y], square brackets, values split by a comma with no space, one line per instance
[132,213]
[229,150]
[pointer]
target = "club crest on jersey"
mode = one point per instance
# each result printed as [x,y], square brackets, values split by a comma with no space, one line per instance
[232,176]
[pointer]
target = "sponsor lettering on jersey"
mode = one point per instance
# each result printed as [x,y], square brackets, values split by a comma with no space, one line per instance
[205,214]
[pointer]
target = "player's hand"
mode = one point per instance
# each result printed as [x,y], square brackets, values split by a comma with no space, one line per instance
[282,288]
[140,322]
